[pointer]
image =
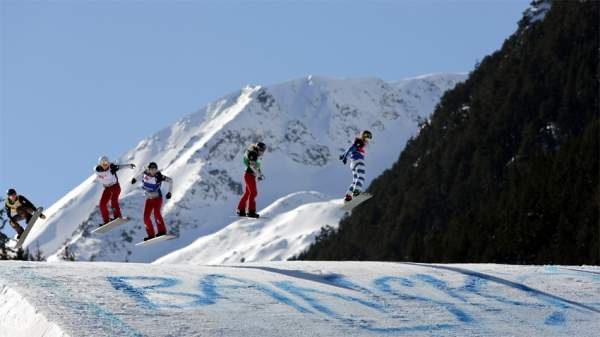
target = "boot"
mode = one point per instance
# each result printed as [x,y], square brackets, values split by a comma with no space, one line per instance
[252,214]
[241,212]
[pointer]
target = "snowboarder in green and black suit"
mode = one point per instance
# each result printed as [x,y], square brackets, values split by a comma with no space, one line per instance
[253,172]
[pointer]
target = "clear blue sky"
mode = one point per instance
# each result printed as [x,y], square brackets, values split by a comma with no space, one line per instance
[80,79]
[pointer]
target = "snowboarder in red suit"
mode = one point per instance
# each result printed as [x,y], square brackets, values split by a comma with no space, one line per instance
[152,180]
[106,174]
[18,208]
[253,172]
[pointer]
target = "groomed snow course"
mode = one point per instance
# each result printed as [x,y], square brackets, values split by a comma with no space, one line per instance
[353,299]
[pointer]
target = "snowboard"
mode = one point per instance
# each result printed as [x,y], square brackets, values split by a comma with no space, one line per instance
[110,225]
[156,239]
[357,200]
[30,224]
[249,218]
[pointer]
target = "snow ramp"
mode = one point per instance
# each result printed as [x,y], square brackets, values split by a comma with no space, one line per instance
[297,299]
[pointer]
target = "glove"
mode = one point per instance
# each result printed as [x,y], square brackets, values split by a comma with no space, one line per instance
[132,166]
[168,196]
[133,180]
[261,177]
[344,159]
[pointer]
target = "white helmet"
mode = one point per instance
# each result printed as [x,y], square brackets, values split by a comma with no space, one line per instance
[103,159]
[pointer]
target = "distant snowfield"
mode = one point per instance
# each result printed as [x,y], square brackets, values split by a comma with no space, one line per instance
[297,299]
[291,225]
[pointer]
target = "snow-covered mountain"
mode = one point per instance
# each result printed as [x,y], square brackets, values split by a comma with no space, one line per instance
[305,122]
[319,299]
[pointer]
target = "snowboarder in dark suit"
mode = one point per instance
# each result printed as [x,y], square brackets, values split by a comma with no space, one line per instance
[19,208]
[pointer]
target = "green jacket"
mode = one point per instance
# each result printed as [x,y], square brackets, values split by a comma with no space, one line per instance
[251,161]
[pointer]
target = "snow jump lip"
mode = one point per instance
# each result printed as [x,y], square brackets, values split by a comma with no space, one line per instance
[515,285]
[314,298]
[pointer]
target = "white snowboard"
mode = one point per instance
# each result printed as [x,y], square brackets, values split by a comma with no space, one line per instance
[357,200]
[30,224]
[156,239]
[110,225]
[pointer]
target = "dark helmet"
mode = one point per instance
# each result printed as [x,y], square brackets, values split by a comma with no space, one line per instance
[11,191]
[366,135]
[152,165]
[262,147]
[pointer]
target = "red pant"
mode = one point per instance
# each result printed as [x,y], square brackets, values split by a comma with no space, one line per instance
[110,193]
[250,194]
[150,206]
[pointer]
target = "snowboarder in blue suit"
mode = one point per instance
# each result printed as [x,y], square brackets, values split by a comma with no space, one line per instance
[152,180]
[356,153]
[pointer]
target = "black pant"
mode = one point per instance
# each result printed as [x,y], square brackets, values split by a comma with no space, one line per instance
[23,212]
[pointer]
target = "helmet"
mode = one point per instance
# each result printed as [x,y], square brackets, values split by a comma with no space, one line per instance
[366,135]
[261,146]
[152,165]
[103,159]
[11,191]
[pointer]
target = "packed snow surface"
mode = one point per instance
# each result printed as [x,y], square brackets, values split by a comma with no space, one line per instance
[19,318]
[288,227]
[297,299]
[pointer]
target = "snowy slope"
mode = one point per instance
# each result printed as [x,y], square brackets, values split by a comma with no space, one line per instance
[20,318]
[305,122]
[298,299]
[292,225]
[537,10]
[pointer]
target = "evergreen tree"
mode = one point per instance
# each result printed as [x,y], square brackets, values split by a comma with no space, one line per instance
[507,168]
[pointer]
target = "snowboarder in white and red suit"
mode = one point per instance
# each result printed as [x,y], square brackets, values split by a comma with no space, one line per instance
[106,174]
